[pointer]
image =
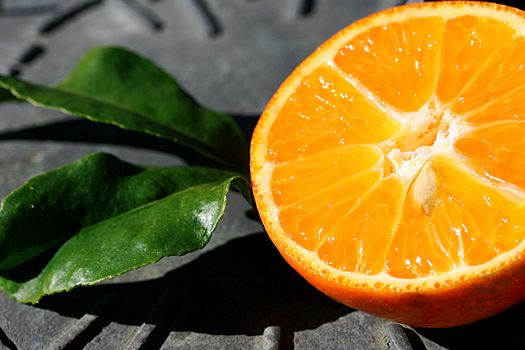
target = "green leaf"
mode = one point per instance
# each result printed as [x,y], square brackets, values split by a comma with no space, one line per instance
[107,217]
[115,86]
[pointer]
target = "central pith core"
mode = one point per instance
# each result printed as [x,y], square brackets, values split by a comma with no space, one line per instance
[424,133]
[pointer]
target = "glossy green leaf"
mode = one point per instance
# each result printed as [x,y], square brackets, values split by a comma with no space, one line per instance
[115,86]
[107,217]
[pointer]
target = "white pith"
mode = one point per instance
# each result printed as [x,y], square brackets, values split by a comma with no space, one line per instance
[408,163]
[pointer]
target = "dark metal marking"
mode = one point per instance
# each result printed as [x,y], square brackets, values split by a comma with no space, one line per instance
[66,14]
[148,16]
[299,8]
[15,70]
[306,7]
[206,17]
[31,53]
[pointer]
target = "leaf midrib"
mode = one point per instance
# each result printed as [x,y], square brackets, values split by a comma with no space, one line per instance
[134,210]
[15,92]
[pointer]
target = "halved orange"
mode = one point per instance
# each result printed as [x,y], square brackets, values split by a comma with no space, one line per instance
[389,167]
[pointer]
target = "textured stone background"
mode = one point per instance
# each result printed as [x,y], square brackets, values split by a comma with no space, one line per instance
[237,293]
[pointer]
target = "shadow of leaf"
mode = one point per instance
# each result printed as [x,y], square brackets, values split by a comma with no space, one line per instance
[85,131]
[238,288]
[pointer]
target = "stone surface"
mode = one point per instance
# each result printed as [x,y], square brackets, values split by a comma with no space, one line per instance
[237,293]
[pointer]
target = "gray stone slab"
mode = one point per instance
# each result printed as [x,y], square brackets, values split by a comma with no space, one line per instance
[356,330]
[116,334]
[14,5]
[237,293]
[29,327]
[17,35]
[195,341]
[246,61]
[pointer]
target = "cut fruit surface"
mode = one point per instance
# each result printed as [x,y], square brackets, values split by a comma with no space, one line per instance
[389,168]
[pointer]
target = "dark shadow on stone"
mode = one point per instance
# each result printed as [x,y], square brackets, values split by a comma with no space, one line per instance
[6,342]
[415,341]
[238,288]
[501,331]
[247,124]
[514,3]
[81,130]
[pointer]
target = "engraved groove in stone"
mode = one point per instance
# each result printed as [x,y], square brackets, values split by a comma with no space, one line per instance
[66,14]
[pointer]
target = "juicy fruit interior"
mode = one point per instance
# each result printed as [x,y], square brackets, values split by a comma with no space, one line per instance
[404,153]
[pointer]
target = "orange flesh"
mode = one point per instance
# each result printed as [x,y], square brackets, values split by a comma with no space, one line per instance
[362,173]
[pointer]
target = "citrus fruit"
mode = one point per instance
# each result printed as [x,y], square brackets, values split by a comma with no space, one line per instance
[389,167]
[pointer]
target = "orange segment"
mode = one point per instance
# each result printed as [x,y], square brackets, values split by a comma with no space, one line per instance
[330,113]
[307,214]
[389,168]
[499,86]
[497,151]
[404,54]
[470,42]
[465,221]
[359,240]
